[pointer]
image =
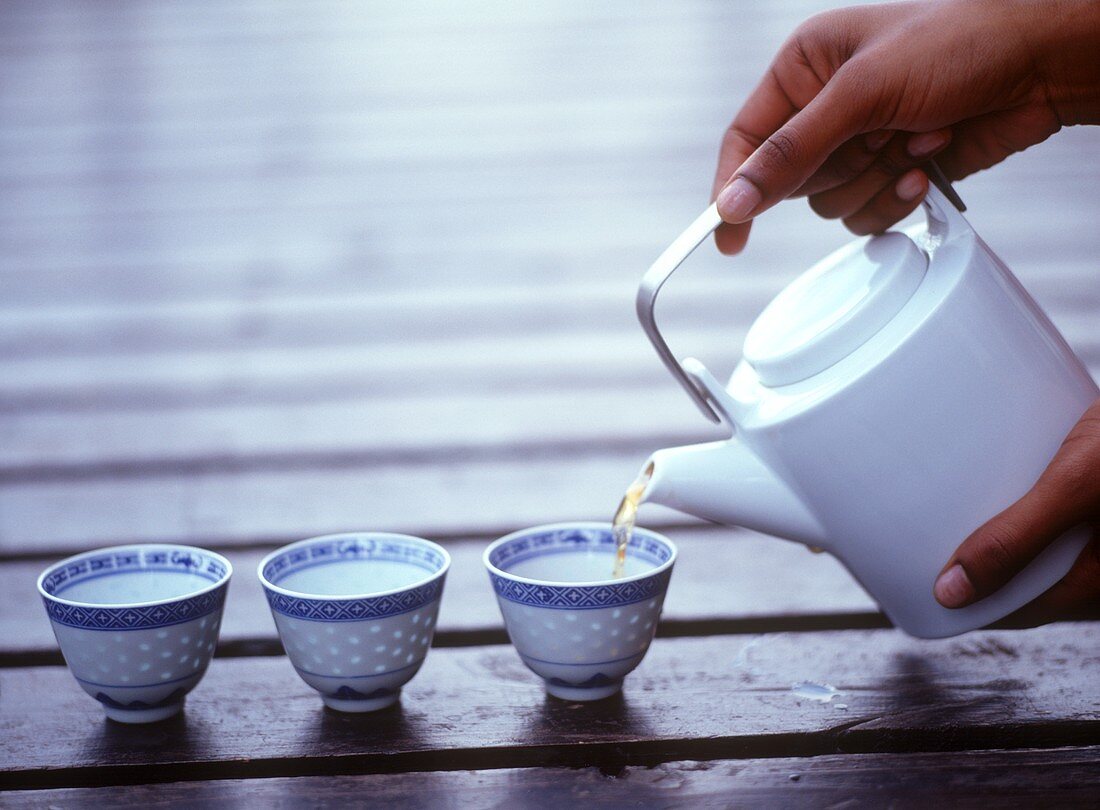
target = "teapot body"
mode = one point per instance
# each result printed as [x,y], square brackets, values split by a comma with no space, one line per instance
[936,424]
[932,425]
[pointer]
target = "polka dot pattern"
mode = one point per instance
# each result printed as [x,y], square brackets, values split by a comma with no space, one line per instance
[361,656]
[139,666]
[582,637]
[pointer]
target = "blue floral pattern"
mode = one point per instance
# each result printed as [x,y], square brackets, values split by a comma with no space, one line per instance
[347,693]
[576,538]
[172,559]
[138,705]
[339,548]
[355,610]
[137,618]
[581,597]
[352,547]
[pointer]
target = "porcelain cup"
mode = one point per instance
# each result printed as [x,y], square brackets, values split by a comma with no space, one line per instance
[572,623]
[137,624]
[356,612]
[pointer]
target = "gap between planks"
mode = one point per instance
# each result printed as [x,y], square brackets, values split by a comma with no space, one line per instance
[1064,777]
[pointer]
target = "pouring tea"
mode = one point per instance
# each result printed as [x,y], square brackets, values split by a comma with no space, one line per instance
[890,399]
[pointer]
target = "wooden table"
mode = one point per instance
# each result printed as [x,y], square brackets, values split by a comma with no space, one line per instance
[275,270]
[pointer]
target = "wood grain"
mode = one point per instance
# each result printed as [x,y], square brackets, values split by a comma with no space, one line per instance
[695,698]
[1062,777]
[225,508]
[273,271]
[267,272]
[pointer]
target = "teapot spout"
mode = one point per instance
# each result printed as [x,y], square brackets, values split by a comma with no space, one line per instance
[725,482]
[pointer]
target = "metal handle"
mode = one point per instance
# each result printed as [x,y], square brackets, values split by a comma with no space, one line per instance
[940,181]
[675,255]
[658,273]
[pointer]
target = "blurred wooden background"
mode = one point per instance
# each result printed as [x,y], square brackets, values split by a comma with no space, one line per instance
[277,269]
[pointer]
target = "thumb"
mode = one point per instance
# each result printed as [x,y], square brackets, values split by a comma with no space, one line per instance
[789,156]
[1066,494]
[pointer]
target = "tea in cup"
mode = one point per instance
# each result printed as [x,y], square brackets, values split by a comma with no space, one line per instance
[356,612]
[137,624]
[572,622]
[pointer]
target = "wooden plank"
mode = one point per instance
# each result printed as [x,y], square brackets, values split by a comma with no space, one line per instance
[230,89]
[296,253]
[48,445]
[164,192]
[226,508]
[381,317]
[725,580]
[375,317]
[396,167]
[398,128]
[695,698]
[335,206]
[207,16]
[69,25]
[1060,777]
[213,259]
[583,356]
[580,356]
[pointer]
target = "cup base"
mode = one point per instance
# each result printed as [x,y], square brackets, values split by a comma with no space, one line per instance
[138,716]
[361,706]
[581,693]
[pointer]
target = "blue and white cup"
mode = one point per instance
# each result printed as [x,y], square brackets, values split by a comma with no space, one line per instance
[356,612]
[572,623]
[137,624]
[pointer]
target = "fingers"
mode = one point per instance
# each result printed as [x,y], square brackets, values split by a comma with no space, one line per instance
[849,161]
[1066,494]
[766,109]
[786,127]
[870,182]
[1076,595]
[731,239]
[893,203]
[792,151]
[904,153]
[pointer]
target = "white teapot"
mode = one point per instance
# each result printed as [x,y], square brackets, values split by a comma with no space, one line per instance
[890,400]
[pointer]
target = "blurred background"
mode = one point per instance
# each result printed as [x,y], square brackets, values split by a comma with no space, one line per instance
[273,269]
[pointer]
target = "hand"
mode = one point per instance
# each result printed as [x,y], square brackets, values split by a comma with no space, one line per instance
[858,98]
[1066,495]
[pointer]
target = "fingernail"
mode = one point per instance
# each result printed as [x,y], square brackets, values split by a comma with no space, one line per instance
[878,139]
[910,186]
[953,588]
[927,143]
[738,200]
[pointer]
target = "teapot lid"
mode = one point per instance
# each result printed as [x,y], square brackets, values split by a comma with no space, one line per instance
[834,308]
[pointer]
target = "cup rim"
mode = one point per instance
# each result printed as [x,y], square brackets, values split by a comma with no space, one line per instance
[580,524]
[143,547]
[270,586]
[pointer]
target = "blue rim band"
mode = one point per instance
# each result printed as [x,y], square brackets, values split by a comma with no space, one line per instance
[579,596]
[139,618]
[349,548]
[355,610]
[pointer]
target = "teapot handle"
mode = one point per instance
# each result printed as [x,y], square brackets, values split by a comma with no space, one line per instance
[942,205]
[939,201]
[655,277]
